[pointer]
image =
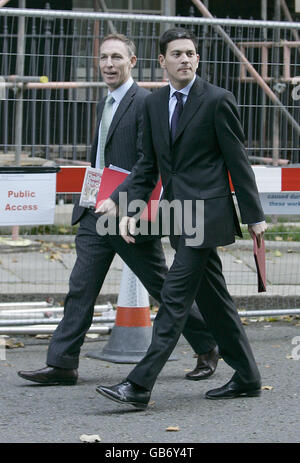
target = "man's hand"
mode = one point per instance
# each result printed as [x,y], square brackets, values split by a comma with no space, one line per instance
[107,207]
[258,231]
[127,228]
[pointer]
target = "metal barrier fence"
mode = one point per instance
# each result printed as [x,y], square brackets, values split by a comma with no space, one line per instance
[257,60]
[38,266]
[59,119]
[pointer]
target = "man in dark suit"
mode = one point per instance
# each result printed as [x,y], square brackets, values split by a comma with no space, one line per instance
[193,137]
[118,142]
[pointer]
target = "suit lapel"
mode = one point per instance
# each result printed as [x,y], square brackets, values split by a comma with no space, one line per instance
[122,108]
[192,105]
[99,115]
[100,107]
[99,112]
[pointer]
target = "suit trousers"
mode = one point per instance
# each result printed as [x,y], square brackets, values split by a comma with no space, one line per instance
[94,257]
[196,274]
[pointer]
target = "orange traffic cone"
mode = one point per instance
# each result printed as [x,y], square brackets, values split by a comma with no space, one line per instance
[131,334]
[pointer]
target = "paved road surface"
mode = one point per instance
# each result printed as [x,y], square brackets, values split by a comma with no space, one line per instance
[39,414]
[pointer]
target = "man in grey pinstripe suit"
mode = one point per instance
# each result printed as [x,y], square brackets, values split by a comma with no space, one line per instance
[95,253]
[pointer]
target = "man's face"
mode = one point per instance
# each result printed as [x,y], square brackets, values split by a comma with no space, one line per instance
[181,62]
[115,63]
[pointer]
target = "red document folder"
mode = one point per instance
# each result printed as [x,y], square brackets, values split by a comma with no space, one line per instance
[111,179]
[260,261]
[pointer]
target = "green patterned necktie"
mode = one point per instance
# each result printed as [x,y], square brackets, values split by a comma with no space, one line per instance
[105,123]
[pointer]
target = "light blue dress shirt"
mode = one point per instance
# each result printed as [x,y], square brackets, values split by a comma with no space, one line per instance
[117,95]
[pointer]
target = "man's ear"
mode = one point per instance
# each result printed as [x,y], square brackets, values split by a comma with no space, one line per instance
[133,61]
[161,60]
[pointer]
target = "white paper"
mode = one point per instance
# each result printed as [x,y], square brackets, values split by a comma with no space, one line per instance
[90,187]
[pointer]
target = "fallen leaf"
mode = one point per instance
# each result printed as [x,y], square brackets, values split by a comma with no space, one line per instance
[278,238]
[277,254]
[92,335]
[43,336]
[55,256]
[267,388]
[90,438]
[12,343]
[188,369]
[172,429]
[65,246]
[151,403]
[238,261]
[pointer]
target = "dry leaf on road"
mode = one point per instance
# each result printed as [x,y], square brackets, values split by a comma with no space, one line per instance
[12,343]
[267,388]
[172,429]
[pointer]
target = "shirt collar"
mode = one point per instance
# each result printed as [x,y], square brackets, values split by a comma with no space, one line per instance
[185,90]
[120,92]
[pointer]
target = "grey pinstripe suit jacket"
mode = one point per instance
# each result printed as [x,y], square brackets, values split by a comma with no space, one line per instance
[124,139]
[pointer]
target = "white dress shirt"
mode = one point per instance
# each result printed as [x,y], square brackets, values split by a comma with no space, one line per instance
[173,100]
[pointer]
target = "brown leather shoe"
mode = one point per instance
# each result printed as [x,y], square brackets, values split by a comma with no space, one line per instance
[51,376]
[206,365]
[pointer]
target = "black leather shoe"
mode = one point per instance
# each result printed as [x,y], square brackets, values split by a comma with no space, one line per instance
[51,376]
[232,389]
[206,365]
[126,393]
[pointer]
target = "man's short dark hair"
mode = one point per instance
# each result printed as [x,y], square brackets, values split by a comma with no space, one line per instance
[175,34]
[122,38]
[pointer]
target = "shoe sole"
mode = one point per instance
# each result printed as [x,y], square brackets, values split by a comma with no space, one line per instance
[254,393]
[135,404]
[48,383]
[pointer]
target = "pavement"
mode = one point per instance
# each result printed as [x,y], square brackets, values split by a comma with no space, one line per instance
[39,267]
[31,413]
